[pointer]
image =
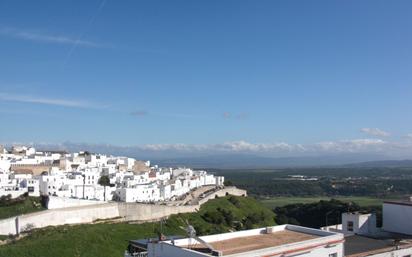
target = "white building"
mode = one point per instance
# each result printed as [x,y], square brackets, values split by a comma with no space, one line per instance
[276,241]
[398,216]
[140,193]
[359,223]
[364,239]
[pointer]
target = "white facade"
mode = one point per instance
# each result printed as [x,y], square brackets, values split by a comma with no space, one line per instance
[397,217]
[357,223]
[141,193]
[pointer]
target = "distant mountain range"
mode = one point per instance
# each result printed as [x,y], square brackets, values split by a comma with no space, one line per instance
[233,160]
[251,161]
[384,163]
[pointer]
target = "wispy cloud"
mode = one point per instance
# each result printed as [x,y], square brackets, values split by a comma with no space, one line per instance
[143,112]
[375,132]
[46,38]
[79,40]
[227,115]
[236,116]
[139,113]
[49,101]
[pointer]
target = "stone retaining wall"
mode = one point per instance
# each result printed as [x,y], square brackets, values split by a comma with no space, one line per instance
[91,213]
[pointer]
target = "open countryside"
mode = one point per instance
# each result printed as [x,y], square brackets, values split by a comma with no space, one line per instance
[282,201]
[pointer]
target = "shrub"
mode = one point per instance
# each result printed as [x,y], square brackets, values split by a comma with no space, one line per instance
[28,227]
[234,201]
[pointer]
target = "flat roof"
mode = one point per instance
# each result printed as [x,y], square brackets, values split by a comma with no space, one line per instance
[359,246]
[255,242]
[399,202]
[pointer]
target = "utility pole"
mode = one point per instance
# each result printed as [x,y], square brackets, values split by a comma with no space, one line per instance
[84,183]
[326,217]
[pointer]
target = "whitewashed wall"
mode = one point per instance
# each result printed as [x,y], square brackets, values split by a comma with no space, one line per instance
[90,213]
[64,202]
[397,218]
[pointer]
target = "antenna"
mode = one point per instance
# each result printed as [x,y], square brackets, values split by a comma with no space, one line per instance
[161,232]
[191,233]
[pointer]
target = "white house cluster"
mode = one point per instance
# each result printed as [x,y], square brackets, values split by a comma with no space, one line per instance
[77,175]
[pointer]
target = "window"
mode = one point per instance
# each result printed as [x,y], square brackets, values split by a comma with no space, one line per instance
[350,225]
[333,255]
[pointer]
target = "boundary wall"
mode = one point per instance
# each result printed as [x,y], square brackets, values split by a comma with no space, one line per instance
[91,213]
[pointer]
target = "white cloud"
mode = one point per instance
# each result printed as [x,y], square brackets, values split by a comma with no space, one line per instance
[375,132]
[355,147]
[342,146]
[350,146]
[39,37]
[243,146]
[48,101]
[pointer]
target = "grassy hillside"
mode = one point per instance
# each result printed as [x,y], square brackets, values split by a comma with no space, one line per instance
[282,201]
[20,205]
[110,240]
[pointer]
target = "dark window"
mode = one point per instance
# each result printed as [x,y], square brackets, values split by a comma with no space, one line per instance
[350,225]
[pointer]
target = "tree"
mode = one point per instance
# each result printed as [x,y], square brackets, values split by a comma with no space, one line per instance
[228,183]
[104,181]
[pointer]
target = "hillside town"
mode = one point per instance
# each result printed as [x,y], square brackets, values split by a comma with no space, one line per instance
[99,177]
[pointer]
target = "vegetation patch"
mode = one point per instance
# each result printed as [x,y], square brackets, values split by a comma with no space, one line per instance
[326,182]
[319,214]
[21,205]
[110,240]
[272,202]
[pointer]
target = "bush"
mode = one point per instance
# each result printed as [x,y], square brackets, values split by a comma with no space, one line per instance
[28,227]
[214,217]
[234,201]
[228,183]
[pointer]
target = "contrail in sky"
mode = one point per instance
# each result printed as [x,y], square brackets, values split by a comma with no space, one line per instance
[79,39]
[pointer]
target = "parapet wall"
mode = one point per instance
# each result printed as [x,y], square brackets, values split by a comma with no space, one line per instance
[223,192]
[91,213]
[64,202]
[72,215]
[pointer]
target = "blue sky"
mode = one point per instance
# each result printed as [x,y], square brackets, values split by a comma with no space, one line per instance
[206,72]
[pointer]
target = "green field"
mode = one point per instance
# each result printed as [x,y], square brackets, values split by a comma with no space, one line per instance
[28,205]
[282,201]
[110,240]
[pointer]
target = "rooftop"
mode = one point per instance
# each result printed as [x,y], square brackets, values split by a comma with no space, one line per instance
[268,239]
[359,246]
[277,240]
[251,243]
[399,202]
